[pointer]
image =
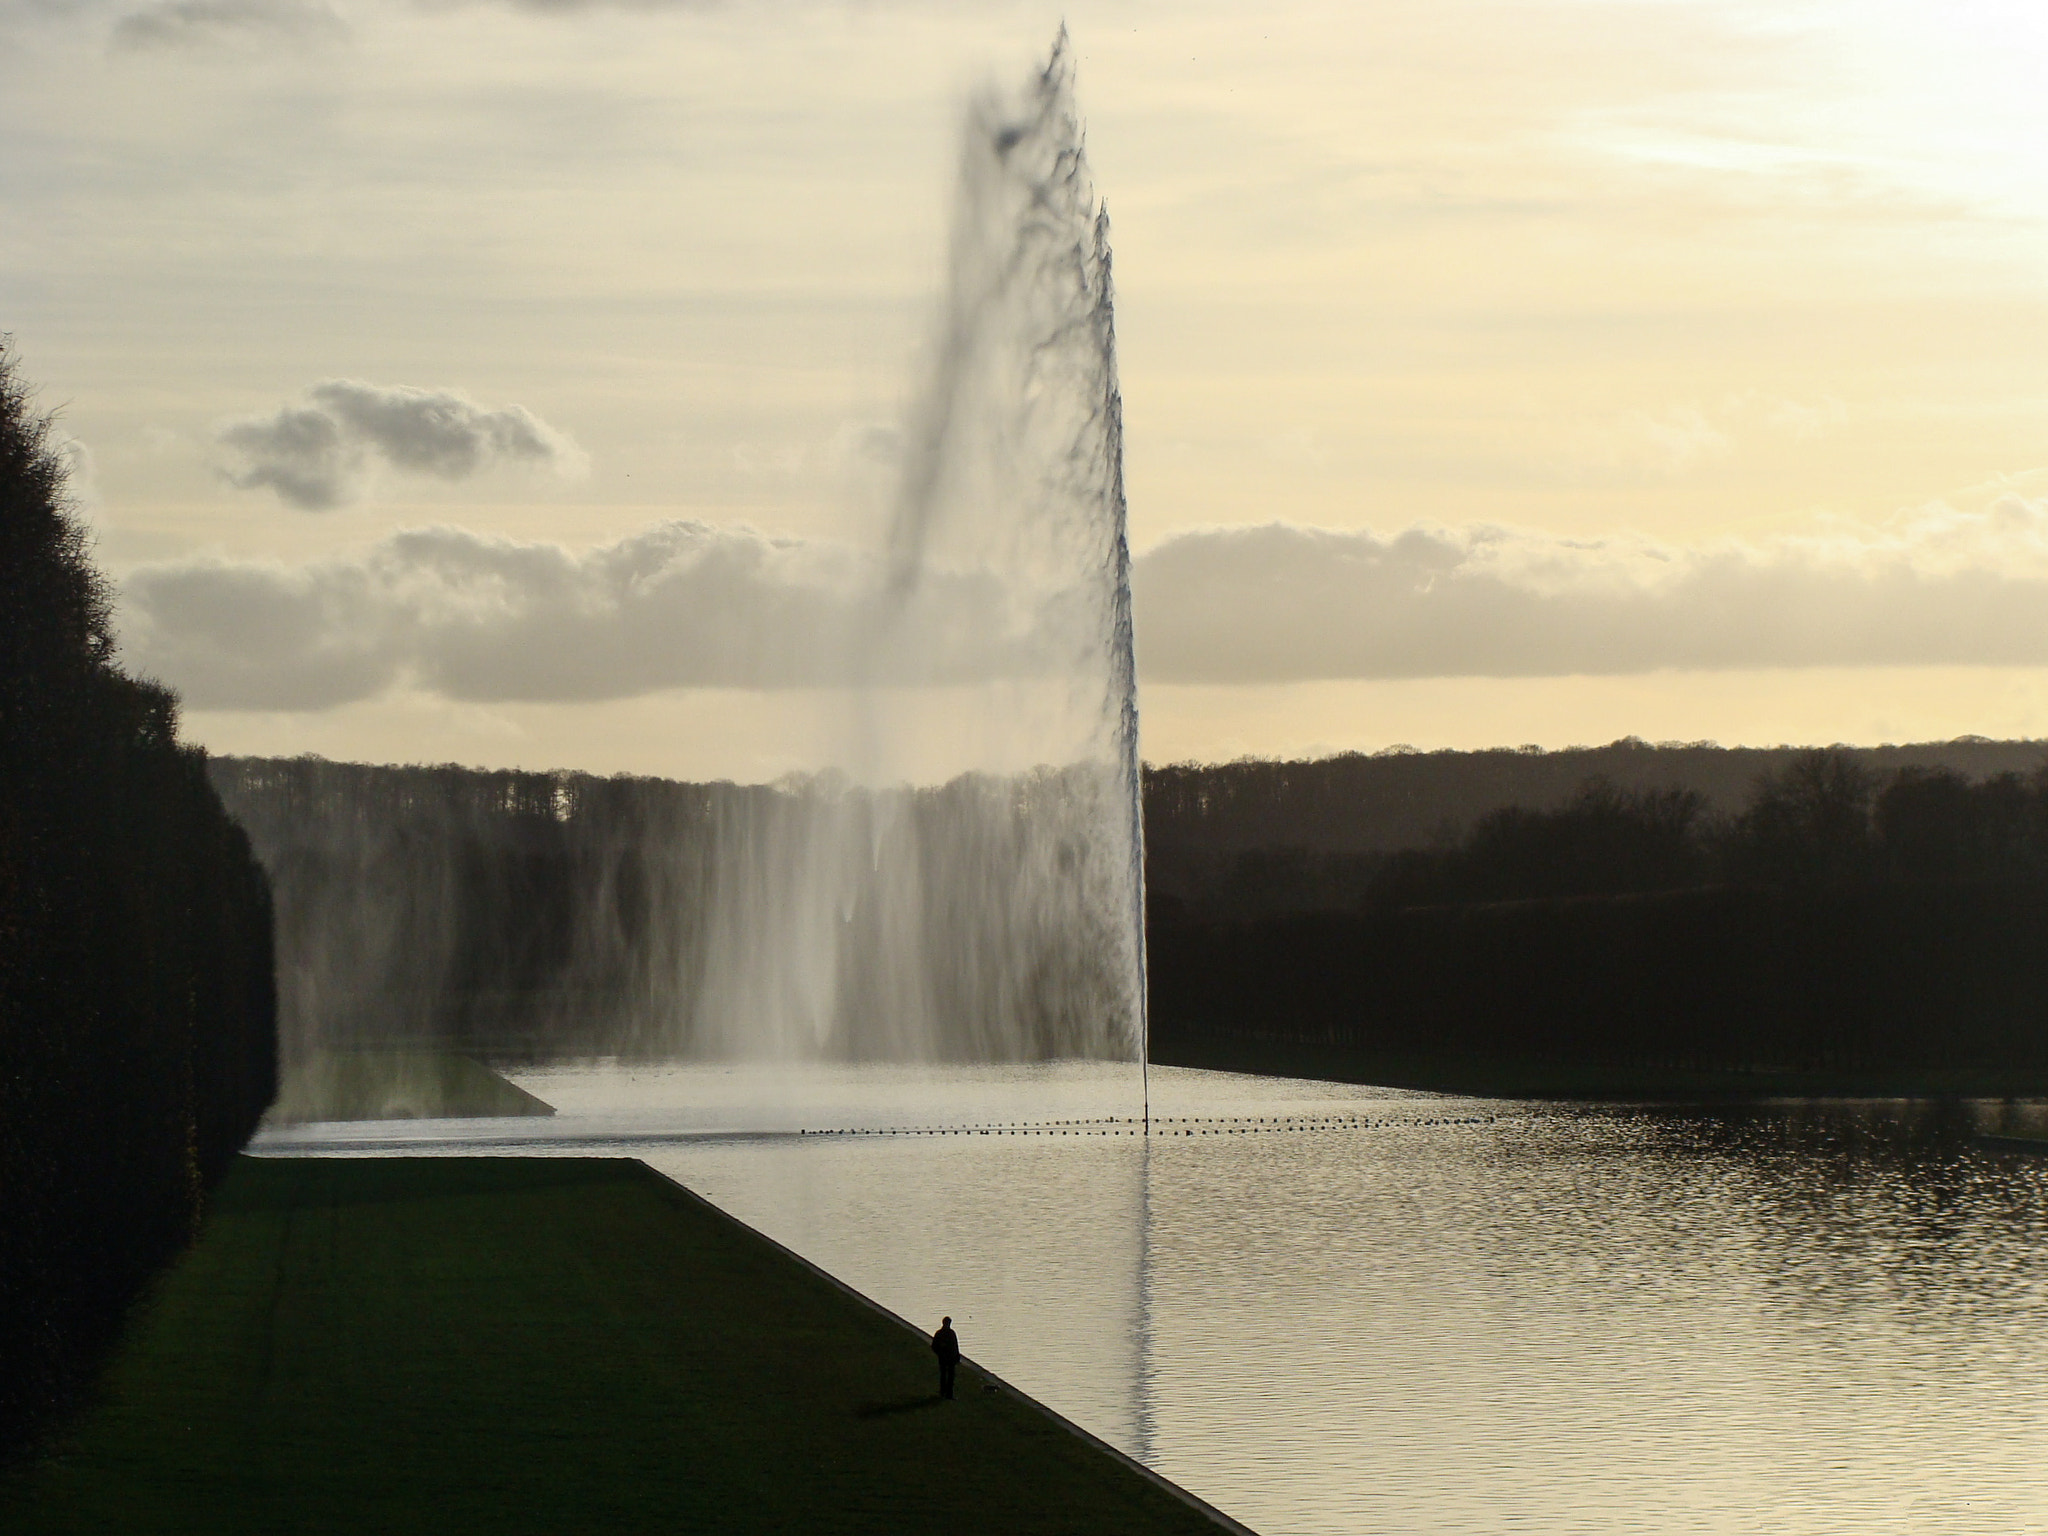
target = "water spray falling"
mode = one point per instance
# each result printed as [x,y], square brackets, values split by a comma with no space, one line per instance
[1023,425]
[998,917]
[1012,473]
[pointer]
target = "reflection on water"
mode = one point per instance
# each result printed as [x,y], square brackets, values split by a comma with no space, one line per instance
[1342,1309]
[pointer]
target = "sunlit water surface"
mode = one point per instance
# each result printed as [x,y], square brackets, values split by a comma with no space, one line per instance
[1336,1309]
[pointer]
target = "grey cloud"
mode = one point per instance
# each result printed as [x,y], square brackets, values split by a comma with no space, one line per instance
[300,453]
[320,454]
[475,618]
[209,24]
[1281,603]
[688,605]
[258,636]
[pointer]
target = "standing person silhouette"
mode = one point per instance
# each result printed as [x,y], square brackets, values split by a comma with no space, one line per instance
[946,1345]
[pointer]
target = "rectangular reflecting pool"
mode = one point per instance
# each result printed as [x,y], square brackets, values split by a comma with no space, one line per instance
[1329,1308]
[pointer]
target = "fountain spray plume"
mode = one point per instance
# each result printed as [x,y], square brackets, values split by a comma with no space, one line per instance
[994,918]
[1001,916]
[1014,458]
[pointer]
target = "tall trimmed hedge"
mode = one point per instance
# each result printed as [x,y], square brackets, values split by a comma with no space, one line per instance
[137,1003]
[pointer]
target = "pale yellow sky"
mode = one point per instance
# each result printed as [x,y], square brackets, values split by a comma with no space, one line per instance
[1714,306]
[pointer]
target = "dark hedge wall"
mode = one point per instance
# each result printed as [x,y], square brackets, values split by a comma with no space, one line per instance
[137,1006]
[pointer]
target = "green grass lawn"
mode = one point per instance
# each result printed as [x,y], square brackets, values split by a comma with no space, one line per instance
[493,1345]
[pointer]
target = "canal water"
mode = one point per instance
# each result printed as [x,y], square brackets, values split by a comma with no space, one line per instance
[1328,1308]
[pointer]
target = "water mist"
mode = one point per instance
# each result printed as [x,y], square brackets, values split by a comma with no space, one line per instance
[994,918]
[1000,918]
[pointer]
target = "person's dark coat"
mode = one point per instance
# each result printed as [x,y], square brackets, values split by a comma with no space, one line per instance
[946,1345]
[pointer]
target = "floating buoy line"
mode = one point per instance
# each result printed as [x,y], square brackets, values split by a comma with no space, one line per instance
[1169,1125]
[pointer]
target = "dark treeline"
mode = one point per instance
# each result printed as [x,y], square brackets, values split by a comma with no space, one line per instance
[503,911]
[1844,926]
[524,914]
[1400,798]
[1254,839]
[137,1043]
[1824,819]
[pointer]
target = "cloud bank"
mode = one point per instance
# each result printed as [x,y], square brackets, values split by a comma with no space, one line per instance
[487,619]
[322,453]
[689,605]
[1282,603]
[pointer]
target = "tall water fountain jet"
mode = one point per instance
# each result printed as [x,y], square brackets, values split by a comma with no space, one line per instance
[1000,917]
[997,917]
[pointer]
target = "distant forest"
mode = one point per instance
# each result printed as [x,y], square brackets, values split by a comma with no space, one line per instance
[1252,839]
[1858,921]
[137,1018]
[1631,912]
[1401,798]
[496,911]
